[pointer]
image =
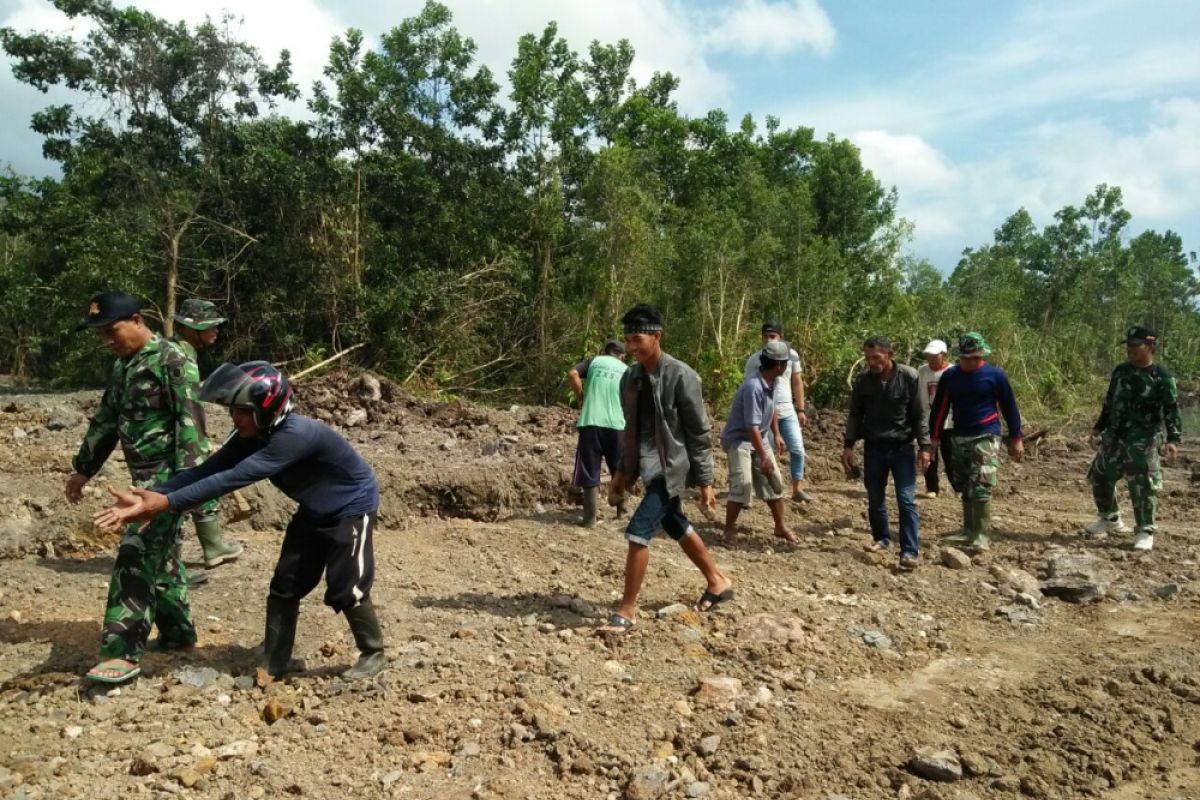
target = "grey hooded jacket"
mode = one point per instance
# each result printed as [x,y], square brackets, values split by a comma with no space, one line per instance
[683,433]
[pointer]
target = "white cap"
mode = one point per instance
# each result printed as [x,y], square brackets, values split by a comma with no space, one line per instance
[936,348]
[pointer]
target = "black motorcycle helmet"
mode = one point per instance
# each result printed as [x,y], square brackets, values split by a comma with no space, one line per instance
[256,385]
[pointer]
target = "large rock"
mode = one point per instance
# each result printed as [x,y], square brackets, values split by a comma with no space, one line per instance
[1076,577]
[16,536]
[647,783]
[1016,579]
[954,558]
[356,416]
[718,689]
[936,765]
[773,627]
[367,387]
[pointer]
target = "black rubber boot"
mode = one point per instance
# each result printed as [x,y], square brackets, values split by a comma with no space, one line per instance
[280,637]
[591,495]
[368,637]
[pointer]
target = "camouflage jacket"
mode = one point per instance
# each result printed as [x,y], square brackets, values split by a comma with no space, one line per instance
[1139,402]
[189,352]
[151,407]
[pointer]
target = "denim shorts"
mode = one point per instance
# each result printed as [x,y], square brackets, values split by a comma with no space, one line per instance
[657,509]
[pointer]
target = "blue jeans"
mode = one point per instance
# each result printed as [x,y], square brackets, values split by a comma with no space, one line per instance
[789,428]
[880,460]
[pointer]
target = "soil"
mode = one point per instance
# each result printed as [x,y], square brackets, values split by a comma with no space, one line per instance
[829,676]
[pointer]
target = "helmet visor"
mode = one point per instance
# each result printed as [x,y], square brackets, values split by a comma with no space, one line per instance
[228,385]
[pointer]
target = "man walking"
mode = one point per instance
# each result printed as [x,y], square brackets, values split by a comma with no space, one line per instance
[198,324]
[928,375]
[885,412]
[600,422]
[150,407]
[1142,399]
[751,462]
[977,393]
[668,444]
[331,531]
[789,406]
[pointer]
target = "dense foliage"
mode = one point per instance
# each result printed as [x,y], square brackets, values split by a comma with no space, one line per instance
[480,243]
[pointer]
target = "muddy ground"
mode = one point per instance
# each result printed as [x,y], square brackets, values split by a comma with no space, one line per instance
[829,677]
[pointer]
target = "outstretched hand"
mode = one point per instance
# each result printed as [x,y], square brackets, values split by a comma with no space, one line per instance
[136,505]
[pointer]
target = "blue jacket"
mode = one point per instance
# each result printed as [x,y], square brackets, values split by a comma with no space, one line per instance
[977,399]
[304,458]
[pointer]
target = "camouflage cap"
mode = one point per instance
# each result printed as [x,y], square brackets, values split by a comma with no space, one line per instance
[199,315]
[972,343]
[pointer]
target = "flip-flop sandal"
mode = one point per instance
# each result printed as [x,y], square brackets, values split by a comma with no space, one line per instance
[124,671]
[615,626]
[709,601]
[876,547]
[790,537]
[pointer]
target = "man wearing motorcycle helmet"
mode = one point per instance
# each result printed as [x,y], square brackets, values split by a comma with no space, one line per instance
[331,531]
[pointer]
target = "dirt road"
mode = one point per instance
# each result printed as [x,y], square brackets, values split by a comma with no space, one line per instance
[830,676]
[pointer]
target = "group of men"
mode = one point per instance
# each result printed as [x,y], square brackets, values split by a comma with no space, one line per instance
[152,407]
[647,421]
[908,419]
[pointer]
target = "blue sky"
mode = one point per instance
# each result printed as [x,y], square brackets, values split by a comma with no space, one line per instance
[972,110]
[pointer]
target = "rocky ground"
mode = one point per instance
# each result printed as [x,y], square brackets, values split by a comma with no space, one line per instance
[830,677]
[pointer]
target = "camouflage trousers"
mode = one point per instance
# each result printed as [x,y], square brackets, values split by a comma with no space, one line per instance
[1137,458]
[975,465]
[148,587]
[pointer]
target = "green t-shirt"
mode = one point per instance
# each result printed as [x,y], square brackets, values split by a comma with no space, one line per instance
[602,392]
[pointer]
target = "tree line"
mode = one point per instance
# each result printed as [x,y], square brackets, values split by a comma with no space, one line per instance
[479,242]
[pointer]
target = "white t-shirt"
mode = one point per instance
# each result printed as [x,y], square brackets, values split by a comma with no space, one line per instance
[782,391]
[927,384]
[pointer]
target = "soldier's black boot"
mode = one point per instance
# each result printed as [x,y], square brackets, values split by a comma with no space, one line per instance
[280,637]
[368,637]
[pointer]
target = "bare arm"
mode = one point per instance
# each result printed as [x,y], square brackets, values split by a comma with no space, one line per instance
[576,384]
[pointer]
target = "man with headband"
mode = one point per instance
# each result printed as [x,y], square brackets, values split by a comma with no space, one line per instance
[668,444]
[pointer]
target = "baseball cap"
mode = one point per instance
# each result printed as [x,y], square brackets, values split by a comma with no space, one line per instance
[199,315]
[777,350]
[109,307]
[973,344]
[1141,335]
[772,326]
[936,348]
[613,346]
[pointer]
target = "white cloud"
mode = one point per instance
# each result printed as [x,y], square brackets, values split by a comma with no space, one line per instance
[774,29]
[904,160]
[955,205]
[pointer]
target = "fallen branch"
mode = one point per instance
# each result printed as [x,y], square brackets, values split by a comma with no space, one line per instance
[327,361]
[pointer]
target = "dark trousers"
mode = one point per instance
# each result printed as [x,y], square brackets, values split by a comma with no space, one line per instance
[900,461]
[941,456]
[342,549]
[596,444]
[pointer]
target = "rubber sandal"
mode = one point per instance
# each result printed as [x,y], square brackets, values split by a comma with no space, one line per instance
[124,671]
[709,601]
[615,626]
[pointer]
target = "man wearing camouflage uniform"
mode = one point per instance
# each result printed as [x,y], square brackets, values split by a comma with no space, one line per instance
[1141,400]
[978,394]
[151,408]
[198,324]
